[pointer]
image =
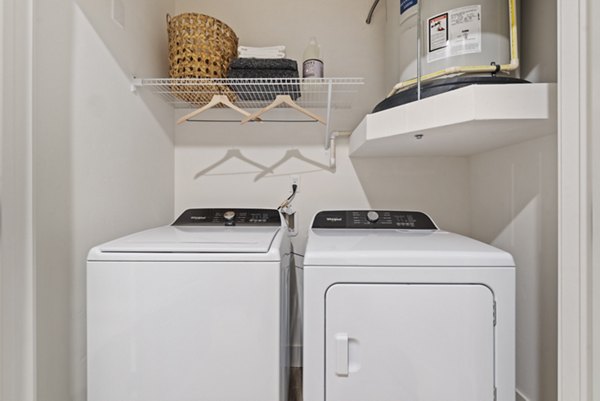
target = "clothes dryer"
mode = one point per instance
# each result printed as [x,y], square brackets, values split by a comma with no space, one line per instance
[193,311]
[397,310]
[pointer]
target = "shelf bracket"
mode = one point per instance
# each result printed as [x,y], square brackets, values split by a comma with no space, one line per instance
[135,84]
[332,153]
[333,148]
[328,134]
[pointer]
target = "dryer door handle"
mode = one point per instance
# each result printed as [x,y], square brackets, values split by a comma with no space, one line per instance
[341,358]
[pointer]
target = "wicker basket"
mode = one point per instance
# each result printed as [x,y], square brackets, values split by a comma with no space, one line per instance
[200,47]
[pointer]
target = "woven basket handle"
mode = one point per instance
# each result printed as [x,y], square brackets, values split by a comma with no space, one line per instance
[168,18]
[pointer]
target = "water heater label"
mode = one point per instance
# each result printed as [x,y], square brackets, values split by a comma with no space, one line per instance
[405,5]
[454,33]
[438,33]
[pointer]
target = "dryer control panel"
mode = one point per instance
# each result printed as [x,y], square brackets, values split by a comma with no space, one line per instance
[229,217]
[378,219]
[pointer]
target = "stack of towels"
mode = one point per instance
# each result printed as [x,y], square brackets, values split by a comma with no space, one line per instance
[261,52]
[264,62]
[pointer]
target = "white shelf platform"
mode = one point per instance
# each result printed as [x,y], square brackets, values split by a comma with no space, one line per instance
[463,122]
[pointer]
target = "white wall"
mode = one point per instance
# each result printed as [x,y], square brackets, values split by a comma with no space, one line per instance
[103,162]
[595,173]
[514,207]
[140,47]
[439,186]
[539,36]
[17,309]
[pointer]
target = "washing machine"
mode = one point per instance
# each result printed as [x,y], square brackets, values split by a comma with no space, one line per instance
[197,310]
[396,309]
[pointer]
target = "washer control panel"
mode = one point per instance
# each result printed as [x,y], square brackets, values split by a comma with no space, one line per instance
[229,217]
[373,219]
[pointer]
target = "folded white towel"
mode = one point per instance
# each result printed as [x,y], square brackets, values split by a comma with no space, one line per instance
[253,54]
[279,48]
[261,55]
[261,51]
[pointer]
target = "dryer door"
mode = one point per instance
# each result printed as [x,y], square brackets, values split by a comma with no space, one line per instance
[409,342]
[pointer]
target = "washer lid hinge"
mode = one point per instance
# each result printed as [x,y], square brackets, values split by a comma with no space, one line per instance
[495,315]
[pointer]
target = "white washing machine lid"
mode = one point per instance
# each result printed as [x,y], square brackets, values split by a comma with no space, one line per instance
[401,248]
[192,243]
[203,235]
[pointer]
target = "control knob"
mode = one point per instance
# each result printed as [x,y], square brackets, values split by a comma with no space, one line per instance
[372,217]
[229,216]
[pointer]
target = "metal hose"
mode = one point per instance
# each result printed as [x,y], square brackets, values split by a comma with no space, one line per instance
[371,11]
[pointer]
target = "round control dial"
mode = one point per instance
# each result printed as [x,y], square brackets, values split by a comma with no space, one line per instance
[229,215]
[372,217]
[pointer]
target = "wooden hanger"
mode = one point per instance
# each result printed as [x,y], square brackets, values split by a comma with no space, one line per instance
[215,101]
[283,99]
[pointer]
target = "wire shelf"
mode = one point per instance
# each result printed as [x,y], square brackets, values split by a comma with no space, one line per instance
[255,93]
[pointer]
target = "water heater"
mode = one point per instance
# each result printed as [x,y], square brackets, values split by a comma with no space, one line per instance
[450,38]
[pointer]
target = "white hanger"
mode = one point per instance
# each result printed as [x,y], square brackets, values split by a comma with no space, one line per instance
[215,101]
[279,100]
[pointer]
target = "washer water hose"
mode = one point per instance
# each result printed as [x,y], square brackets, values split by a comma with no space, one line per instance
[371,11]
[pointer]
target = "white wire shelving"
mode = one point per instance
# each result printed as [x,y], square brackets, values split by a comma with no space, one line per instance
[255,93]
